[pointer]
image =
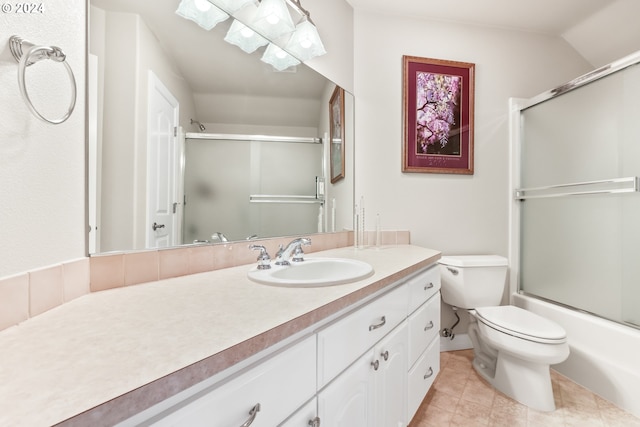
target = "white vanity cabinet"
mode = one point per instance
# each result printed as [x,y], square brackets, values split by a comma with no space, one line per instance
[370,366]
[262,396]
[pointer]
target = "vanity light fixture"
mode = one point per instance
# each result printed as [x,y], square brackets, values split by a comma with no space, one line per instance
[241,35]
[272,19]
[305,42]
[232,6]
[255,25]
[202,12]
[278,58]
[244,37]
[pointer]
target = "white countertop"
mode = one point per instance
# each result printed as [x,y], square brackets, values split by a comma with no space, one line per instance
[107,344]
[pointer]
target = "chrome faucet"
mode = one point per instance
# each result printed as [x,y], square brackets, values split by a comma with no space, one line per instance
[292,252]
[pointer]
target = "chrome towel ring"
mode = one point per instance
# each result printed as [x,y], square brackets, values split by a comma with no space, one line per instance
[29,57]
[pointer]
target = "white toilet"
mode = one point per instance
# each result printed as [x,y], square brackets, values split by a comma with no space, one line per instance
[513,347]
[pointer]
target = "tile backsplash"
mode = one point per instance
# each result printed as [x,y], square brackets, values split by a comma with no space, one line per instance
[28,294]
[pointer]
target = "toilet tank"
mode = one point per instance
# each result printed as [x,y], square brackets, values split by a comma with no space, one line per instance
[470,281]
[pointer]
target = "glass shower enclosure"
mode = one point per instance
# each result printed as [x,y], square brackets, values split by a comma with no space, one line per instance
[577,163]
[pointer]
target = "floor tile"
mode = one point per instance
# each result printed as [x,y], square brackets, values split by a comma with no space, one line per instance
[460,397]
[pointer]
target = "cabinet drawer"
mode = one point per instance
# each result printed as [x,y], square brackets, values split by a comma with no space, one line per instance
[422,376]
[342,342]
[424,325]
[280,385]
[423,286]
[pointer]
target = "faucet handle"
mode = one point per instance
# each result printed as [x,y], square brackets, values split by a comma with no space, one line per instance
[298,254]
[264,260]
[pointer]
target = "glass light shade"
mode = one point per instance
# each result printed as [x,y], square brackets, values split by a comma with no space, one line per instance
[305,42]
[272,19]
[201,12]
[231,6]
[244,37]
[278,58]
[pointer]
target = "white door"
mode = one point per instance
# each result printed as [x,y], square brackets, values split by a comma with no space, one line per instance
[162,123]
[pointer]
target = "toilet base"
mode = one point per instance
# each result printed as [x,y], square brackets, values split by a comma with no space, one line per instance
[523,380]
[527,383]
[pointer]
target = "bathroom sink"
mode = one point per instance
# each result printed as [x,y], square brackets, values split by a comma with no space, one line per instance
[313,272]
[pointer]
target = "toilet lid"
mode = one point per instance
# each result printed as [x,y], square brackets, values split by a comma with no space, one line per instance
[521,323]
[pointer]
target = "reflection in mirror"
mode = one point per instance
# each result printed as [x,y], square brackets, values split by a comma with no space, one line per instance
[155,81]
[264,187]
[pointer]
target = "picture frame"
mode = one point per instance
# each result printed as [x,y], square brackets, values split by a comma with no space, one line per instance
[336,134]
[438,115]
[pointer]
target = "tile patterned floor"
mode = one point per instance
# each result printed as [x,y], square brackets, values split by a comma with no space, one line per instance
[459,397]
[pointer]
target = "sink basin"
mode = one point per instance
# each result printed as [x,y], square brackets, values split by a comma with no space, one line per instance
[313,272]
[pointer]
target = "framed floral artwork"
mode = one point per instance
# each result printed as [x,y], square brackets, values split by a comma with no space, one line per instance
[336,134]
[438,97]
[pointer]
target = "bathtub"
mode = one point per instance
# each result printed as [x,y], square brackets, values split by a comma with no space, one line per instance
[604,354]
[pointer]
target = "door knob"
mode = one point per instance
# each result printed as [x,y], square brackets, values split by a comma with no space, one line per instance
[156,226]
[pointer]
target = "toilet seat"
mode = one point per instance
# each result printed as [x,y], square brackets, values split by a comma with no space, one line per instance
[521,323]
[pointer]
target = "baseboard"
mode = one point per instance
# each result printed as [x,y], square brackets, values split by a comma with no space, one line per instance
[459,342]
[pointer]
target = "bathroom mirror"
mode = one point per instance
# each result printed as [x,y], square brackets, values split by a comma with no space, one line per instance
[146,48]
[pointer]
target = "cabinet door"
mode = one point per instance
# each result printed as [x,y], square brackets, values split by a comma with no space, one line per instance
[390,379]
[305,416]
[348,400]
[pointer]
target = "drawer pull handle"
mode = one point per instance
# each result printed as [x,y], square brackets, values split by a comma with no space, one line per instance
[385,355]
[252,415]
[383,321]
[315,422]
[429,326]
[428,374]
[375,364]
[429,286]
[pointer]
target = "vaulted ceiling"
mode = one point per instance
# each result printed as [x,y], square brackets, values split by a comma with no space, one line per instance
[600,30]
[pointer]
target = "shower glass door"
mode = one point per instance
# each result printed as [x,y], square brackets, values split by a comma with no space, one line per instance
[579,200]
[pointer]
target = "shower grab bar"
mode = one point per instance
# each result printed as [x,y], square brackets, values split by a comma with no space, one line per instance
[521,193]
[269,198]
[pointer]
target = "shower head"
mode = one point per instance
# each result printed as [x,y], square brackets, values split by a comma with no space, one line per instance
[200,125]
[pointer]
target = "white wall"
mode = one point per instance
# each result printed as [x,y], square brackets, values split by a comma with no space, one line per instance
[42,165]
[454,214]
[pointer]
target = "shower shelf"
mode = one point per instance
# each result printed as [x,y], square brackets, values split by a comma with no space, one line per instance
[605,186]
